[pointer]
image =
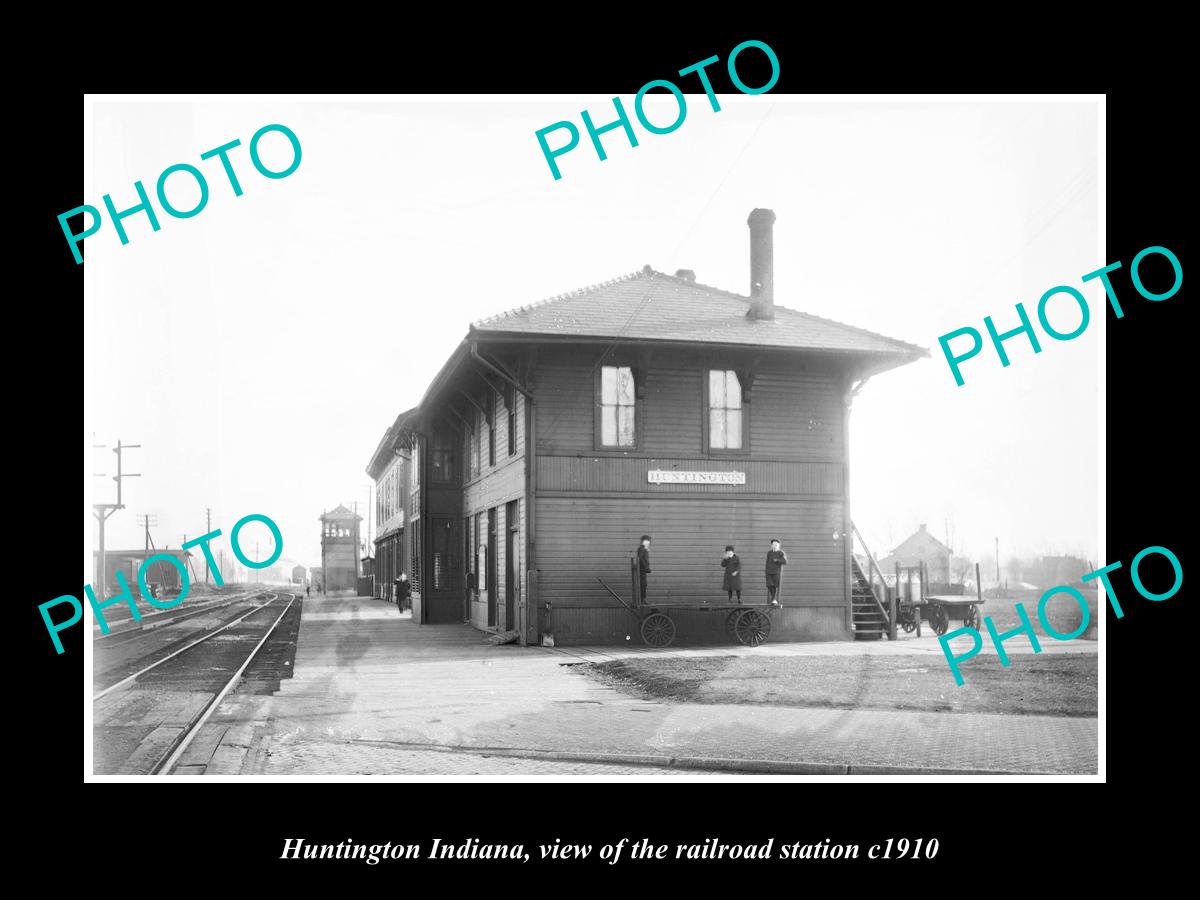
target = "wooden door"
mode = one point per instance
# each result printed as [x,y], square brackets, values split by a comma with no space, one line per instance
[491,566]
[511,578]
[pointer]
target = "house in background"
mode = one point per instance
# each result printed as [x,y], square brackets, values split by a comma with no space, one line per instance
[921,547]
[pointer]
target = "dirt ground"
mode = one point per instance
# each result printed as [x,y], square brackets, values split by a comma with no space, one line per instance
[1063,685]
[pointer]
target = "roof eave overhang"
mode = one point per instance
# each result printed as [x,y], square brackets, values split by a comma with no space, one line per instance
[379,458]
[888,359]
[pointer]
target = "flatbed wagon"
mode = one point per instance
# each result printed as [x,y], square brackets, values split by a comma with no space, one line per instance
[938,611]
[747,623]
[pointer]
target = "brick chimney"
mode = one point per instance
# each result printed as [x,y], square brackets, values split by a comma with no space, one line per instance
[762,264]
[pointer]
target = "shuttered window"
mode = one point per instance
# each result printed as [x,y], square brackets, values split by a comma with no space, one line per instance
[617,407]
[725,413]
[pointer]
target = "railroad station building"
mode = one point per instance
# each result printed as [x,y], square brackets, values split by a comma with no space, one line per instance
[558,433]
[390,472]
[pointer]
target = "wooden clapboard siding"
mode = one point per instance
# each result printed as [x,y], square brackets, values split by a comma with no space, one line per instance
[630,475]
[794,412]
[592,625]
[565,397]
[582,538]
[670,411]
[497,485]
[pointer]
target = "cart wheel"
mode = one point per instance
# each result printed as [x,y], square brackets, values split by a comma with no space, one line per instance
[939,620]
[909,624]
[971,620]
[752,627]
[657,630]
[731,621]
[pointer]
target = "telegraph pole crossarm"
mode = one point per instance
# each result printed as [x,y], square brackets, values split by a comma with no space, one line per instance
[103,510]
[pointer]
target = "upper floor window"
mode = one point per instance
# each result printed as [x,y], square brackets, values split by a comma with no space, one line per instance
[725,413]
[473,439]
[441,457]
[491,417]
[618,404]
[511,407]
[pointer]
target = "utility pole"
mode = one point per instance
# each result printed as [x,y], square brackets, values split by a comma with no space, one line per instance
[949,553]
[257,572]
[191,566]
[997,560]
[149,541]
[103,510]
[207,530]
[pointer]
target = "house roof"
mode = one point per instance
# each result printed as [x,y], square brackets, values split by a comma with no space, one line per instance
[920,541]
[651,305]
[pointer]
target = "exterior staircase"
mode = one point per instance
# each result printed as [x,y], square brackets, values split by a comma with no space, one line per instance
[870,624]
[869,605]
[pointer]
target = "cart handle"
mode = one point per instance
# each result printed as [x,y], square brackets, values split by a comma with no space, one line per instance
[617,596]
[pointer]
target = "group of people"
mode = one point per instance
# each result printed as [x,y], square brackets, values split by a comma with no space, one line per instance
[732,564]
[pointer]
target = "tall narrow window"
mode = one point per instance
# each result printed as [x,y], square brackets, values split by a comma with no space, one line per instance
[474,438]
[491,408]
[724,410]
[617,405]
[466,526]
[414,576]
[512,422]
[441,458]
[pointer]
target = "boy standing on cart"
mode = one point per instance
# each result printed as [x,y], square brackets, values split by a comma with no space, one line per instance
[733,573]
[643,560]
[776,559]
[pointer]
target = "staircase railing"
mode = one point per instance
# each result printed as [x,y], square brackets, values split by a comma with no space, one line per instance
[873,570]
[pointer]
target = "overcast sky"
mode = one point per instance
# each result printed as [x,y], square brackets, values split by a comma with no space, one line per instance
[258,350]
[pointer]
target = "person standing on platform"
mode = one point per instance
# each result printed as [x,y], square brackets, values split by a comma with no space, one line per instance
[403,593]
[733,573]
[643,558]
[308,590]
[776,559]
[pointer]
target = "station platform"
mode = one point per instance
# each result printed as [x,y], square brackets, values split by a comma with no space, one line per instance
[370,687]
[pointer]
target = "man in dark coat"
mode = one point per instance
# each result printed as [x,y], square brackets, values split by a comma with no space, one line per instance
[643,558]
[403,593]
[776,558]
[733,572]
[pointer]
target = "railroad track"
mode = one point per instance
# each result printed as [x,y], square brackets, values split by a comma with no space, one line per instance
[145,721]
[126,629]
